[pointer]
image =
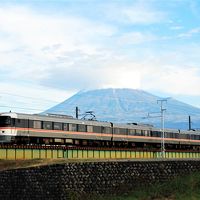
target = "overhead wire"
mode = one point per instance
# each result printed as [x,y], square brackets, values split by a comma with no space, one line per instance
[10,108]
[33,98]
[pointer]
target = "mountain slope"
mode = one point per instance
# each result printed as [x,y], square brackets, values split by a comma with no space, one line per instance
[128,105]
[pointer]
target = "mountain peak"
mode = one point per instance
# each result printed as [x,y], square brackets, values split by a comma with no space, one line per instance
[125,105]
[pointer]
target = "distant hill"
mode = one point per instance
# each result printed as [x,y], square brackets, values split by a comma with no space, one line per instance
[129,105]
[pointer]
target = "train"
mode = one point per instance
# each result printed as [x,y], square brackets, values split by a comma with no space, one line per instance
[63,130]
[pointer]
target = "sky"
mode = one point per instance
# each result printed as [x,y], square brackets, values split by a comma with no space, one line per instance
[51,49]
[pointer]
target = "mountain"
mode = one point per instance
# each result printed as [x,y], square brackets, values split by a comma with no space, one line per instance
[129,105]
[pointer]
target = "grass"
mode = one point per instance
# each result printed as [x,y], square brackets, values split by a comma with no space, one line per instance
[182,188]
[15,164]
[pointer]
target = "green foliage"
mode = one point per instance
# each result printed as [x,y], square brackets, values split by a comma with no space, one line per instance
[181,188]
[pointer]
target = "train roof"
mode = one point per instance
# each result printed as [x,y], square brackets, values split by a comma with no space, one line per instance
[55,118]
[70,119]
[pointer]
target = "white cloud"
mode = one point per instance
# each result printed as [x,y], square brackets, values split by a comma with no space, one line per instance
[30,98]
[190,33]
[33,43]
[142,15]
[172,79]
[176,27]
[136,38]
[122,75]
[73,53]
[37,30]
[139,12]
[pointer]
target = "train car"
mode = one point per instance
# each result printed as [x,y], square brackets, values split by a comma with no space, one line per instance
[18,128]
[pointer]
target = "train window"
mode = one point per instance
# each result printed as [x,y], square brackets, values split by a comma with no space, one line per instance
[142,132]
[22,123]
[168,135]
[116,131]
[97,129]
[37,124]
[13,121]
[181,136]
[5,121]
[57,126]
[89,129]
[72,127]
[69,141]
[65,127]
[146,133]
[155,134]
[131,131]
[107,130]
[47,125]
[30,123]
[81,128]
[123,131]
[174,135]
[192,137]
[159,134]
[138,132]
[120,131]
[18,123]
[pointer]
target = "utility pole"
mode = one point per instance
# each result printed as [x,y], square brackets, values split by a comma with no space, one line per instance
[162,111]
[77,110]
[190,127]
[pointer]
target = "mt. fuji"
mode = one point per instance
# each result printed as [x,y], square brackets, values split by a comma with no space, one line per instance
[128,106]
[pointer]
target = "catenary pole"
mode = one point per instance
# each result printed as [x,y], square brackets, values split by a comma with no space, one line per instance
[162,110]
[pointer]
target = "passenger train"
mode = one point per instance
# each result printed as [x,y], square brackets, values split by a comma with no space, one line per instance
[50,129]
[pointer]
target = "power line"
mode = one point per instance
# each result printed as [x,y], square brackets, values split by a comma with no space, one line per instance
[26,108]
[28,97]
[33,109]
[11,107]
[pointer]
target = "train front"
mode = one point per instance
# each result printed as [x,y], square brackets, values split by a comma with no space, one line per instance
[7,129]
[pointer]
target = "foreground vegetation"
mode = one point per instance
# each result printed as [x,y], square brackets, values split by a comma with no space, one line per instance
[182,188]
[17,164]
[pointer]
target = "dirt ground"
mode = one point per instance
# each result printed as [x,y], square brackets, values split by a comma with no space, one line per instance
[15,164]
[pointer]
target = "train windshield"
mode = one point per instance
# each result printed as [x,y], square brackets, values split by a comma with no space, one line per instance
[5,121]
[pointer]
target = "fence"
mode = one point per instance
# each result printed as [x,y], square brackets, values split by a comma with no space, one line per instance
[75,153]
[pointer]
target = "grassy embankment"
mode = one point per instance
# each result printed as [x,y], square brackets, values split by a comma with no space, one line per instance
[182,188]
[17,164]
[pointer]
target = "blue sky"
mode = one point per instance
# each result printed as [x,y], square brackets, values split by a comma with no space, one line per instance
[52,49]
